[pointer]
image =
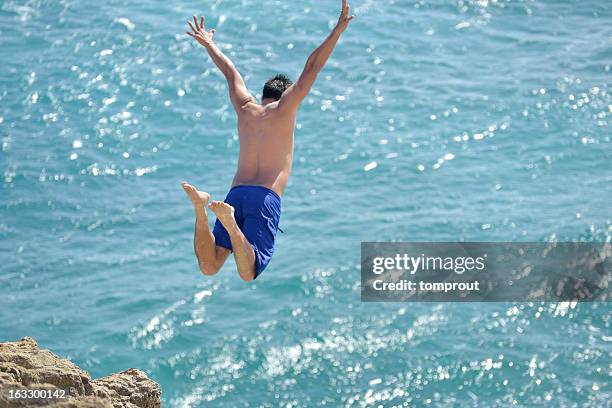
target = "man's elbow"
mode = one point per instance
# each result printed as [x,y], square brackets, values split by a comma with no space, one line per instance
[229,75]
[308,77]
[312,68]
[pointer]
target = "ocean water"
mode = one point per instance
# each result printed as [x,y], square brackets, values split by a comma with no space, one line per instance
[436,120]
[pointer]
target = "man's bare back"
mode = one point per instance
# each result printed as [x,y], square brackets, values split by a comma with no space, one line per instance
[247,220]
[266,146]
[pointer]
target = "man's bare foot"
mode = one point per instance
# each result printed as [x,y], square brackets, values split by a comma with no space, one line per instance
[225,214]
[198,198]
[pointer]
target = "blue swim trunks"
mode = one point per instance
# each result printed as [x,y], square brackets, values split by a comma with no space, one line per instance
[257,212]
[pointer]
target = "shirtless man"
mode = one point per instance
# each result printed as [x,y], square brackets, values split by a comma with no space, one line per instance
[248,219]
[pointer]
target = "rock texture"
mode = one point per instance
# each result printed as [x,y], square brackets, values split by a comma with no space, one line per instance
[23,365]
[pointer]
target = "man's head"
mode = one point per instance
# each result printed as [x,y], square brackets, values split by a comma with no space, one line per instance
[274,87]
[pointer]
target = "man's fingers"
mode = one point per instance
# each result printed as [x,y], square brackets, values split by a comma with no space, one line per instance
[196,36]
[195,20]
[190,25]
[188,33]
[202,22]
[345,9]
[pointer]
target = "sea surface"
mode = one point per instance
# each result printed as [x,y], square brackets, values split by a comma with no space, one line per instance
[436,120]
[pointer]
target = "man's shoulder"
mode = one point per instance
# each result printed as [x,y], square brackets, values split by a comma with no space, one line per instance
[281,111]
[255,111]
[249,108]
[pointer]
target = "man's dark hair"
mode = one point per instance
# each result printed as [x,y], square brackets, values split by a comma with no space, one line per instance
[274,87]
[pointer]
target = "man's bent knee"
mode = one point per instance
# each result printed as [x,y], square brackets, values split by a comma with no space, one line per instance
[209,269]
[248,277]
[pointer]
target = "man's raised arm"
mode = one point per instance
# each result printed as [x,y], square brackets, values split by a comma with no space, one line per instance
[296,93]
[238,91]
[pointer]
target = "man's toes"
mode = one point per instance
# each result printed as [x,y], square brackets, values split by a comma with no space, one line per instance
[221,208]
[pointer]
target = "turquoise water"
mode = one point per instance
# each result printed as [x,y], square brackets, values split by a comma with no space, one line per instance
[433,121]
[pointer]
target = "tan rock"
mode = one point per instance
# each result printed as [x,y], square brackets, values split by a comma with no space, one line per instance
[130,388]
[23,365]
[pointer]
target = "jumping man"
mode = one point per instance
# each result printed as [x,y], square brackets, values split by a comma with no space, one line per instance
[248,219]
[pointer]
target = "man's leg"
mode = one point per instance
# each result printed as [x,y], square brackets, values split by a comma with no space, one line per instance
[210,257]
[243,251]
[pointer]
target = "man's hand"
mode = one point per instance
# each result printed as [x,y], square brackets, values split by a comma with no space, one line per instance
[198,32]
[345,18]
